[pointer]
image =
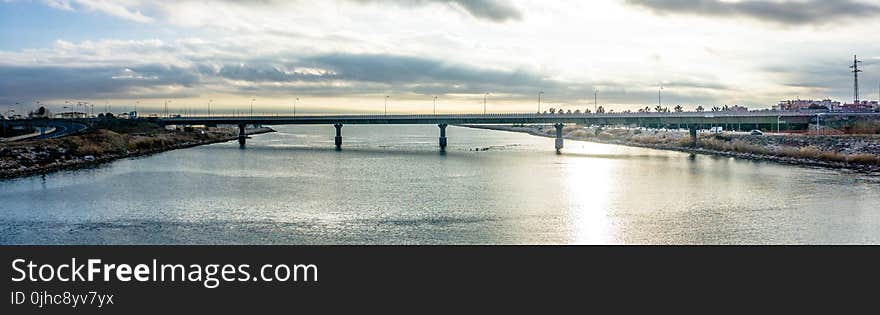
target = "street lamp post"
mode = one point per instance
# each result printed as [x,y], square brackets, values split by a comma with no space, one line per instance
[778,121]
[595,100]
[386,104]
[539,101]
[659,102]
[435,105]
[209,107]
[294,106]
[485,99]
[252,106]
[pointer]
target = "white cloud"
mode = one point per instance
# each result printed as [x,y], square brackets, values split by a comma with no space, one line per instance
[59,4]
[125,9]
[564,47]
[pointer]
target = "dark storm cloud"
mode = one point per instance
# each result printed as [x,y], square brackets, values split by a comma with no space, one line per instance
[409,70]
[17,82]
[784,12]
[493,10]
[373,73]
[831,78]
[351,75]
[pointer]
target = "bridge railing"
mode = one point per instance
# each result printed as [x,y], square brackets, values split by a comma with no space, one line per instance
[503,115]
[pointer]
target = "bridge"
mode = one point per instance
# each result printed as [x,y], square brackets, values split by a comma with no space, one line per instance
[62,127]
[768,120]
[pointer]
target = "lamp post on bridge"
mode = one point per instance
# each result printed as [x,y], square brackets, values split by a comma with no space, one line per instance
[659,102]
[539,101]
[209,107]
[294,106]
[485,99]
[252,106]
[435,105]
[596,100]
[386,104]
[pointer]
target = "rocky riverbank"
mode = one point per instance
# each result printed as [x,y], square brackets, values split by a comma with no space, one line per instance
[854,152]
[104,145]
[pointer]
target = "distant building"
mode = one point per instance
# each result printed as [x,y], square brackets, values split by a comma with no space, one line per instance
[861,106]
[799,104]
[738,108]
[72,115]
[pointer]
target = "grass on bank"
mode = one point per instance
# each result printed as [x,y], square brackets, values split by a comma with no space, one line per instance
[105,141]
[726,143]
[807,152]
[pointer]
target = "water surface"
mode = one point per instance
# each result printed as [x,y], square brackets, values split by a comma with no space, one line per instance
[390,185]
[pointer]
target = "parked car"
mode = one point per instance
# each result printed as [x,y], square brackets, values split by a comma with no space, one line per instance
[757,132]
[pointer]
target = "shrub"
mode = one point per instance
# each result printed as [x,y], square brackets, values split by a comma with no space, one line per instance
[864,158]
[89,149]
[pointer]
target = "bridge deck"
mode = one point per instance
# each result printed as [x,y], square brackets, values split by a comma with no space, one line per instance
[610,118]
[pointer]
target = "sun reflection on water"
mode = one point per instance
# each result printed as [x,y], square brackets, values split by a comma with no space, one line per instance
[588,183]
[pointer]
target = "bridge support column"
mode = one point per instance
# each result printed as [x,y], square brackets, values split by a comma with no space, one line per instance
[442,136]
[693,132]
[558,136]
[338,139]
[242,136]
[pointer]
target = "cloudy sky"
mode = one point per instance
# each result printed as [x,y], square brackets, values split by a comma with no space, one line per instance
[346,55]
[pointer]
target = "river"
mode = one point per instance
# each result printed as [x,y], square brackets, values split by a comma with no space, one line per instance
[391,185]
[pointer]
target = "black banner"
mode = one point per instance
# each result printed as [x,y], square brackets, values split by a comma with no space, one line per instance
[416,279]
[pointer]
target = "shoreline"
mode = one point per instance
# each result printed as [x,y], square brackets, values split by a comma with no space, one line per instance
[81,162]
[856,167]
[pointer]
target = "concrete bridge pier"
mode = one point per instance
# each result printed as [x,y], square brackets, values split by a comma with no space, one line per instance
[693,132]
[338,139]
[442,136]
[559,136]
[242,136]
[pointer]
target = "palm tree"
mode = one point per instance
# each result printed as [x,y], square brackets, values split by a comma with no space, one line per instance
[600,110]
[700,108]
[678,109]
[658,109]
[716,108]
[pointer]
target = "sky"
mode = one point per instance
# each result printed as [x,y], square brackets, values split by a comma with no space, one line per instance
[346,56]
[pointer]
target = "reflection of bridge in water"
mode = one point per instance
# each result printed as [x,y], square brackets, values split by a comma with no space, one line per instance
[767,120]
